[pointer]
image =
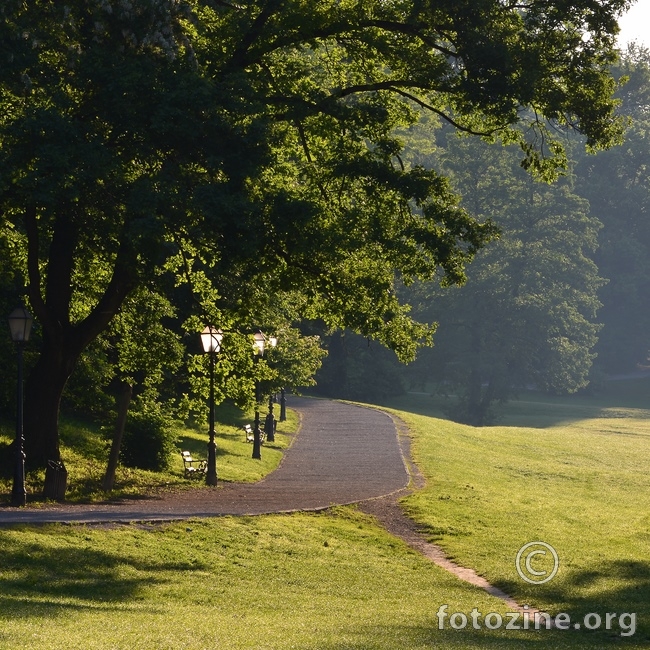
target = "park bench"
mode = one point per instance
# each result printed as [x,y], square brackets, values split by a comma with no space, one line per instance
[192,466]
[250,435]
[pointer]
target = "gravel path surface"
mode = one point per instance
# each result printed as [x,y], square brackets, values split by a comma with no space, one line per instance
[342,454]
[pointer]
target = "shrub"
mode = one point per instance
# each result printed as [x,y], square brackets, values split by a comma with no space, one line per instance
[148,442]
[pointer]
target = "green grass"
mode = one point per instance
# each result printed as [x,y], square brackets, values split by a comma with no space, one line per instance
[575,476]
[85,453]
[324,581]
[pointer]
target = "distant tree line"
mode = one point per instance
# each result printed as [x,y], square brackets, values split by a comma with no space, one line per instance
[562,297]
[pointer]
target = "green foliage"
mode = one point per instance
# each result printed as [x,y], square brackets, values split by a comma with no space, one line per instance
[214,152]
[358,369]
[149,440]
[526,315]
[617,185]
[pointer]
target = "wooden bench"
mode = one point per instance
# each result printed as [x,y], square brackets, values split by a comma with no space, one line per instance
[250,434]
[192,466]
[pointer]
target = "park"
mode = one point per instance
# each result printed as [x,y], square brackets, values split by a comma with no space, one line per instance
[326,325]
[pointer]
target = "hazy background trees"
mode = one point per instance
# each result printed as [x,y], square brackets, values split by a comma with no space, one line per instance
[241,164]
[561,300]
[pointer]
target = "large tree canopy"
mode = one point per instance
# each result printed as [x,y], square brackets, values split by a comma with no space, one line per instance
[240,142]
[526,315]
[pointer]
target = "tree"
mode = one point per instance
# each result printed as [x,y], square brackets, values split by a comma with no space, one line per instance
[617,185]
[359,369]
[526,315]
[257,140]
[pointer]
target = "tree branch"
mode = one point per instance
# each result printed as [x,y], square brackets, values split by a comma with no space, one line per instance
[443,115]
[390,85]
[239,58]
[122,282]
[33,270]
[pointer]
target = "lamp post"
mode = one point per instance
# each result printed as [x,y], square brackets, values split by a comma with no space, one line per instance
[259,345]
[211,338]
[283,406]
[269,422]
[20,325]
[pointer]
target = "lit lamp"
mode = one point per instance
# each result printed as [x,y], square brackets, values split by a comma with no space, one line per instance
[20,325]
[269,423]
[259,345]
[211,338]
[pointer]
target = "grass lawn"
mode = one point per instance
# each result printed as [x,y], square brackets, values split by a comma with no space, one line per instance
[324,581]
[85,453]
[572,474]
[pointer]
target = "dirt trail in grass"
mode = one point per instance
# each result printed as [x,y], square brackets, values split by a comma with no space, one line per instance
[390,515]
[343,454]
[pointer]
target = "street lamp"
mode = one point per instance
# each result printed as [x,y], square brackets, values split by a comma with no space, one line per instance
[269,422]
[211,338]
[20,325]
[259,345]
[283,406]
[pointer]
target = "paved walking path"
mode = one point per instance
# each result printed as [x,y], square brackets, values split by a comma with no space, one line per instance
[342,454]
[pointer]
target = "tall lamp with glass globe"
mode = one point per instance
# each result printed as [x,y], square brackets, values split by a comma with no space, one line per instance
[211,338]
[260,343]
[20,325]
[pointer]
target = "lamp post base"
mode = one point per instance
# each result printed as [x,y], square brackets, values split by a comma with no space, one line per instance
[211,475]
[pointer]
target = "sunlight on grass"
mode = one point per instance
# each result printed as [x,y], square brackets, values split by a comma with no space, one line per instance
[581,485]
[312,581]
[85,453]
[576,477]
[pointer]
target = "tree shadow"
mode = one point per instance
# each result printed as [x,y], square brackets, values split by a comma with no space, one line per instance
[198,448]
[38,580]
[586,592]
[631,597]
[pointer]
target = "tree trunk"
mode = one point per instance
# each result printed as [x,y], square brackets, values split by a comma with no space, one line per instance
[43,392]
[123,402]
[63,341]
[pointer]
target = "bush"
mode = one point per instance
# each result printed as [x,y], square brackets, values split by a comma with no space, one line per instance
[148,442]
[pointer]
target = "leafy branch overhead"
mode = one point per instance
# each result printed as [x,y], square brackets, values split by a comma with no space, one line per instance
[258,137]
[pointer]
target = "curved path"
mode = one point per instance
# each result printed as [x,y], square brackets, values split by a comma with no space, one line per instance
[342,454]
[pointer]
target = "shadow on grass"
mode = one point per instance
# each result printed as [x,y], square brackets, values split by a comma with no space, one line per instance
[199,449]
[47,578]
[429,636]
[585,612]
[618,400]
[589,594]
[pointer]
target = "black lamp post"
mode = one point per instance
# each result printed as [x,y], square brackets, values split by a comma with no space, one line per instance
[211,338]
[283,406]
[259,345]
[20,324]
[269,422]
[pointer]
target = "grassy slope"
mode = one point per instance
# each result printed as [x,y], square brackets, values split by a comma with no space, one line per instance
[335,580]
[85,453]
[575,476]
[323,582]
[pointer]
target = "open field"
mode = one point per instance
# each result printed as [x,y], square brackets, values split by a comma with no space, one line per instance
[574,475]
